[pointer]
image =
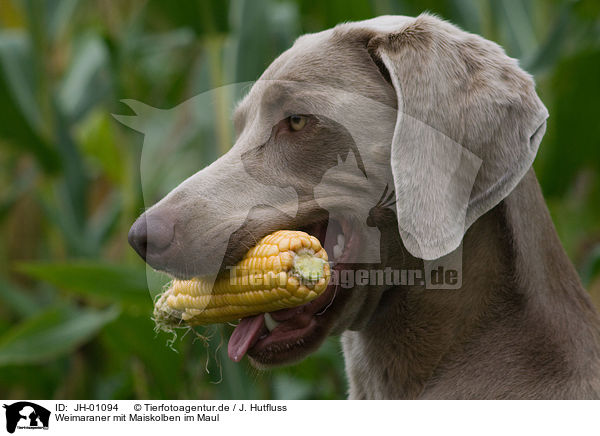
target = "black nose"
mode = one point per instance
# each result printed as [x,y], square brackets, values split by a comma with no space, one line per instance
[150,235]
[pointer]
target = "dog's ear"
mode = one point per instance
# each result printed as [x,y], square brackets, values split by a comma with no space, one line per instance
[468,128]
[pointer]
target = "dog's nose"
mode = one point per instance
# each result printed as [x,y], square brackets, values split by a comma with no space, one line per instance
[151,235]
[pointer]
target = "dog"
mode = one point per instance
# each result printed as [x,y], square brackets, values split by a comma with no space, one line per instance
[404,144]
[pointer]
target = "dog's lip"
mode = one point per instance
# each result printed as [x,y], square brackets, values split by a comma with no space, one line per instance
[294,323]
[313,227]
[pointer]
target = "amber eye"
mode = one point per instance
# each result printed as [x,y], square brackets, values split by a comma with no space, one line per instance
[297,122]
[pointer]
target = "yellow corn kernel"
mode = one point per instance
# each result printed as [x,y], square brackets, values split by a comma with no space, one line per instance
[285,269]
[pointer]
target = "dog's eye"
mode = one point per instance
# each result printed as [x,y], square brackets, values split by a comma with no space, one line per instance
[297,122]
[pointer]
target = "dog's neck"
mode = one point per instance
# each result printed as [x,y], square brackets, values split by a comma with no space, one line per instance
[421,341]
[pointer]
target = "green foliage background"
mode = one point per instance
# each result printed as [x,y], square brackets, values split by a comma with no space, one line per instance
[74,302]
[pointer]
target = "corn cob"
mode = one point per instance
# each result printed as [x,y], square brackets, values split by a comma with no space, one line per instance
[285,269]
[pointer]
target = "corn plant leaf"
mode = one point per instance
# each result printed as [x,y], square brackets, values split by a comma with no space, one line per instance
[575,85]
[22,303]
[135,335]
[52,333]
[87,81]
[22,122]
[104,281]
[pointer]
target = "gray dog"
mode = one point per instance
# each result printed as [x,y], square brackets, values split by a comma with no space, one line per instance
[404,144]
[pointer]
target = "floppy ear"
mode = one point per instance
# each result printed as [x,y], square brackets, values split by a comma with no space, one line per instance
[468,128]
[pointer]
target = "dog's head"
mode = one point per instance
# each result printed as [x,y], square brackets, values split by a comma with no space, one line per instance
[385,138]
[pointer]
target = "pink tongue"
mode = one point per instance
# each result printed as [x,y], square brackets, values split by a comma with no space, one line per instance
[244,336]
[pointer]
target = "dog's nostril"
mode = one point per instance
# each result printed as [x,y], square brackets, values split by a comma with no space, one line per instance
[150,235]
[159,233]
[138,237]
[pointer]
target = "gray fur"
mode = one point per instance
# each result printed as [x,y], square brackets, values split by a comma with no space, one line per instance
[432,111]
[470,93]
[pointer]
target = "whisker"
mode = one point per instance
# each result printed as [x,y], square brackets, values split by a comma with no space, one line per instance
[382,195]
[392,195]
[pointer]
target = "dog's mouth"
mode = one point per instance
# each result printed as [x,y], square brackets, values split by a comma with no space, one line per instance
[284,335]
[288,335]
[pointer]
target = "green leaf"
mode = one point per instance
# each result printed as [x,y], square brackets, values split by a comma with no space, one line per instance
[16,58]
[205,17]
[548,53]
[87,81]
[135,336]
[21,122]
[17,300]
[51,334]
[264,29]
[105,219]
[75,182]
[108,282]
[99,145]
[574,121]
[59,16]
[20,183]
[286,387]
[519,26]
